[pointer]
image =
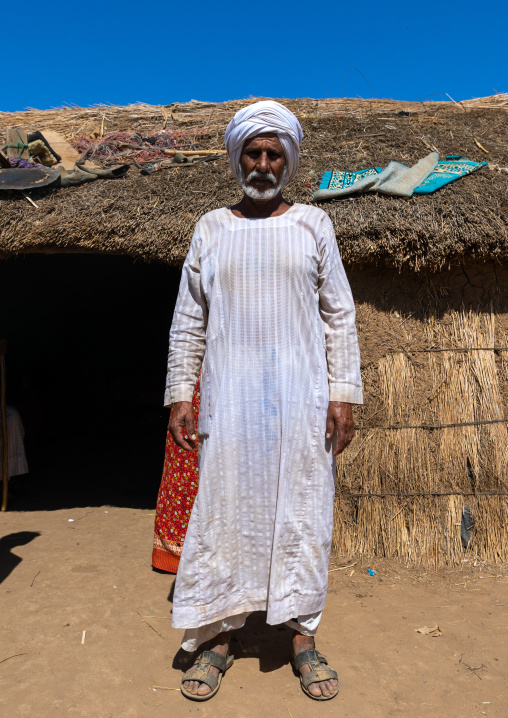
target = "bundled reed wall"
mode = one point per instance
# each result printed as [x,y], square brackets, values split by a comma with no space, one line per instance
[432,437]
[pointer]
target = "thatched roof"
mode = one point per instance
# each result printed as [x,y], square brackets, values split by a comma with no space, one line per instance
[152,217]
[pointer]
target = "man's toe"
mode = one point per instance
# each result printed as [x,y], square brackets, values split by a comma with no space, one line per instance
[331,686]
[315,689]
[203,689]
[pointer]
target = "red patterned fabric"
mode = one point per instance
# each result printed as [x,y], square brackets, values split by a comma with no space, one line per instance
[178,489]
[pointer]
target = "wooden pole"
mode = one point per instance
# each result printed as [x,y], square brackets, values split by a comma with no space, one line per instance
[5,438]
[168,151]
[16,138]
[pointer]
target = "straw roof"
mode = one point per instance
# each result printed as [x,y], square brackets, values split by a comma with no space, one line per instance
[153,217]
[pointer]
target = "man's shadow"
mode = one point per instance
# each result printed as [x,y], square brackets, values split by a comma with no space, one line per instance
[171,590]
[272,645]
[9,560]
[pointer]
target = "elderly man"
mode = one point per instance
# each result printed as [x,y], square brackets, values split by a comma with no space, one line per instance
[266,313]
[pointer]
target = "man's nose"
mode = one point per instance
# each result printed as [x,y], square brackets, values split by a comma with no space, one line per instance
[263,163]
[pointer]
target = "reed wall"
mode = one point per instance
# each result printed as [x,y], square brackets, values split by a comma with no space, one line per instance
[431,438]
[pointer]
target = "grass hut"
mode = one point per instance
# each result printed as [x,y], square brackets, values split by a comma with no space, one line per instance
[429,275]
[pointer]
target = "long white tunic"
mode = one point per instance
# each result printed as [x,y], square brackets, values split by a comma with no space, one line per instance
[265,310]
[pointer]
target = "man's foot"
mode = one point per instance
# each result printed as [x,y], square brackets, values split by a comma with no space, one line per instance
[323,688]
[220,644]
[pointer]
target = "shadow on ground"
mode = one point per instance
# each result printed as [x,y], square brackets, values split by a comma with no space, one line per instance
[9,560]
[271,645]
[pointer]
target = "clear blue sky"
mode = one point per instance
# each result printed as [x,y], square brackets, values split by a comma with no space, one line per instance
[162,52]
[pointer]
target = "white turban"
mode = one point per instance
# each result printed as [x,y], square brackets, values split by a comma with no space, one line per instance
[257,119]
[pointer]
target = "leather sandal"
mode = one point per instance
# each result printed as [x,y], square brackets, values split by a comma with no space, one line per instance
[200,671]
[105,173]
[319,671]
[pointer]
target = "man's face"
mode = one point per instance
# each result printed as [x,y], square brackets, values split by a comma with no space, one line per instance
[262,163]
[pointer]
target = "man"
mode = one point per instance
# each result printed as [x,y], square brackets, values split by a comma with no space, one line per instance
[266,312]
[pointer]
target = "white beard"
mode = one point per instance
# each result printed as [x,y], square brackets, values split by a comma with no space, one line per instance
[266,194]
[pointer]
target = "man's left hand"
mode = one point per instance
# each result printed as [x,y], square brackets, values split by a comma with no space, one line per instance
[340,419]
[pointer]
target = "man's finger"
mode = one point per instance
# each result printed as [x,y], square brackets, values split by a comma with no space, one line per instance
[187,445]
[339,448]
[177,434]
[182,417]
[189,425]
[330,426]
[191,431]
[345,433]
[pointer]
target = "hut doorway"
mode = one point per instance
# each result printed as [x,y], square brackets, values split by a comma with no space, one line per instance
[87,344]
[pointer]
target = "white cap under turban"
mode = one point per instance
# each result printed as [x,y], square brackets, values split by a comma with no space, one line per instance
[257,119]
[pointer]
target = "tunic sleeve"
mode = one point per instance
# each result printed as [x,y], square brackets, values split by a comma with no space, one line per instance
[337,311]
[187,337]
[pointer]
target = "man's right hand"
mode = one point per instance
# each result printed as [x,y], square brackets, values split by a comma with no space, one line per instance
[182,415]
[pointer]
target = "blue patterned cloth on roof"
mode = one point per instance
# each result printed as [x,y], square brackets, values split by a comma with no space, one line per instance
[340,180]
[453,168]
[428,175]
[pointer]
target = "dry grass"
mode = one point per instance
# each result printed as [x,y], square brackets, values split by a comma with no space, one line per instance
[73,121]
[152,218]
[460,463]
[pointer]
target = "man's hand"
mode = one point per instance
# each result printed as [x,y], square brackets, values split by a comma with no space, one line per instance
[340,419]
[182,415]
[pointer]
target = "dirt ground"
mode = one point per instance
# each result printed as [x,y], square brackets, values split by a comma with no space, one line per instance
[61,578]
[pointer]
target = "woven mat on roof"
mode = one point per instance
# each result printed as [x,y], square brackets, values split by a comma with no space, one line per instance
[427,176]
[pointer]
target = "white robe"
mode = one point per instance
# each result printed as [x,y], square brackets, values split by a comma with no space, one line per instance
[265,307]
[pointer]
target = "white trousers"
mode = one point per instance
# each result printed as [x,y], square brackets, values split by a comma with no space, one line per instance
[195,637]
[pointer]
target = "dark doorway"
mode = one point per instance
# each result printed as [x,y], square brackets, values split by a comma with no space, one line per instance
[87,345]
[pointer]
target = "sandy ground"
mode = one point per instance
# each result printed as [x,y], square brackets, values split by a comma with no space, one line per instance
[62,577]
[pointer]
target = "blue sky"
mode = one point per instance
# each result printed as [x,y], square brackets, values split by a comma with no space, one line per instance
[160,52]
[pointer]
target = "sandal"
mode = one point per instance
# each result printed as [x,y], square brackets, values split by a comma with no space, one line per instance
[319,671]
[200,671]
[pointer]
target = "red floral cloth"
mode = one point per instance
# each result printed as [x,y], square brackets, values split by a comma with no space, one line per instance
[178,489]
